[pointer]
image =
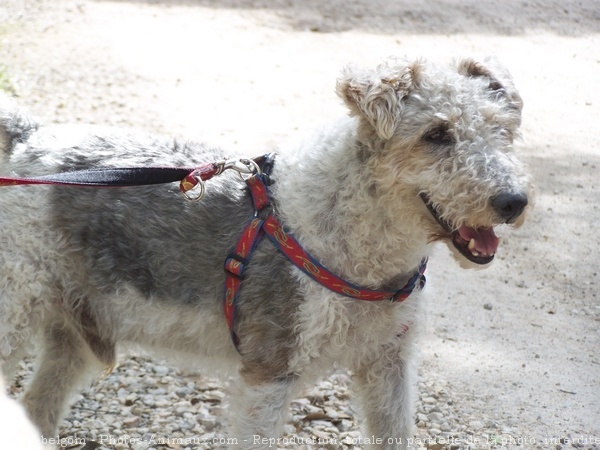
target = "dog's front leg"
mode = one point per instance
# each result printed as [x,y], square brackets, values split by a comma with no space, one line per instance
[385,383]
[260,411]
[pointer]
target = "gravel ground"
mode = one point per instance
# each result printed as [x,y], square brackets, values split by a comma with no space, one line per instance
[511,356]
[146,404]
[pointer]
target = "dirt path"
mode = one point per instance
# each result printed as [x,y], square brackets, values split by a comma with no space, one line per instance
[513,351]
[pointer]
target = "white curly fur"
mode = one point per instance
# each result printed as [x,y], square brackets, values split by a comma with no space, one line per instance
[351,196]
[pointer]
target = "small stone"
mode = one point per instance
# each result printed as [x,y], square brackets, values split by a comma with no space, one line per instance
[132,421]
[213,396]
[289,429]
[435,425]
[321,434]
[344,425]
[488,306]
[160,370]
[299,402]
[163,403]
[149,381]
[476,425]
[148,400]
[189,424]
[435,416]
[183,392]
[209,424]
[435,446]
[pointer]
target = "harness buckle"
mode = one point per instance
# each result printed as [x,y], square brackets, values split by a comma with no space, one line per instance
[242,166]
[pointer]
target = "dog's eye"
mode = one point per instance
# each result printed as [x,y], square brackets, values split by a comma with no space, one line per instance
[440,136]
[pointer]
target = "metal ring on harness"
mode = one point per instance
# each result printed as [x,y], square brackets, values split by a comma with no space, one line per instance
[197,191]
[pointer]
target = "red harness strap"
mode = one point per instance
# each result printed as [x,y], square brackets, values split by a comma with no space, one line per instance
[236,262]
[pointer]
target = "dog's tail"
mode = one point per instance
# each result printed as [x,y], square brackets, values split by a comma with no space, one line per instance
[15,124]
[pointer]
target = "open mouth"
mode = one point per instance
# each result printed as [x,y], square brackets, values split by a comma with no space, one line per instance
[478,245]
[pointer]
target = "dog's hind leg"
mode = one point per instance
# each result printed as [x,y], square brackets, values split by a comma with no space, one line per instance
[385,384]
[65,363]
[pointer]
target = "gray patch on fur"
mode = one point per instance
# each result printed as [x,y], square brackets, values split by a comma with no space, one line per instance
[170,249]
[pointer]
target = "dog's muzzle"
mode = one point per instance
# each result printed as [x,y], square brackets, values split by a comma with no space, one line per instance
[478,244]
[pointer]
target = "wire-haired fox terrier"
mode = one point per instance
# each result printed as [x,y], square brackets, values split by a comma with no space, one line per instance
[425,155]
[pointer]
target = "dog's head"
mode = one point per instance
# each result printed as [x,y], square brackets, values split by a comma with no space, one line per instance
[441,140]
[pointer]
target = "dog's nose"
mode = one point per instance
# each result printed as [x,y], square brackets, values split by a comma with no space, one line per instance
[509,206]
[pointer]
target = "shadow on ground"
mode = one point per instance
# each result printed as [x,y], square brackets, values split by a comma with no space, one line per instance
[511,17]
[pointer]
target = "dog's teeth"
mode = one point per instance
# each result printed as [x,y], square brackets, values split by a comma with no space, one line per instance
[471,245]
[475,253]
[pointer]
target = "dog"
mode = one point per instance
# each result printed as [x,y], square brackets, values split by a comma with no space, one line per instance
[426,154]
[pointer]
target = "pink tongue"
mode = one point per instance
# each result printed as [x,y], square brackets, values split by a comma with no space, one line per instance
[486,241]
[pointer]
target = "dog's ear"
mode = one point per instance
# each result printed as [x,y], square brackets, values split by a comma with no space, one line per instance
[376,95]
[500,80]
